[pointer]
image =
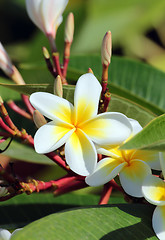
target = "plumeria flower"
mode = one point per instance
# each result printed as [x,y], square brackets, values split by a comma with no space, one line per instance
[132,166]
[154,192]
[6,235]
[46,14]
[5,62]
[78,127]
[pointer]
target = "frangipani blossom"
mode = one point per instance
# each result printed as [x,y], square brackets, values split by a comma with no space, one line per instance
[154,192]
[46,14]
[78,126]
[5,62]
[132,166]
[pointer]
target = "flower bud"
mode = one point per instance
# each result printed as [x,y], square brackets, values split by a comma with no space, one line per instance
[38,119]
[46,15]
[58,86]
[4,234]
[3,191]
[5,62]
[90,70]
[69,28]
[16,77]
[106,49]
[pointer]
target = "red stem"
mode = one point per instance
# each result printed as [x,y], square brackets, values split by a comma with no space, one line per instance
[26,101]
[107,190]
[6,128]
[18,110]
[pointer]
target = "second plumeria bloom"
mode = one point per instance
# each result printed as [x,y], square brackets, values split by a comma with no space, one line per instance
[5,62]
[132,166]
[78,126]
[46,14]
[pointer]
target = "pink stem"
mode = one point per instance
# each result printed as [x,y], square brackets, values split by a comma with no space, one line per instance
[25,99]
[18,110]
[107,190]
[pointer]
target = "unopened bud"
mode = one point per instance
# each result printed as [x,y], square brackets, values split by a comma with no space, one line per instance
[90,70]
[69,28]
[106,49]
[5,62]
[58,86]
[16,77]
[3,191]
[38,119]
[46,53]
[1,101]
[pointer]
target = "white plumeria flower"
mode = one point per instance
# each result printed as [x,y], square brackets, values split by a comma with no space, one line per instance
[154,192]
[46,14]
[6,235]
[132,166]
[78,126]
[5,62]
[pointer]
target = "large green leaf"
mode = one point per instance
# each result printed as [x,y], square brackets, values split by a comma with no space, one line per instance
[118,222]
[152,137]
[24,209]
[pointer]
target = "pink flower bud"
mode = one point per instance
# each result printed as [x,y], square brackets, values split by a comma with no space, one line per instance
[106,49]
[38,119]
[5,62]
[69,28]
[46,14]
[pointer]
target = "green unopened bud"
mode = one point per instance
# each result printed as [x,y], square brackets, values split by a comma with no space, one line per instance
[46,53]
[58,86]
[38,119]
[106,49]
[69,28]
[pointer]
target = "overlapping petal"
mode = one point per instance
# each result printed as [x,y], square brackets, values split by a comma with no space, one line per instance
[135,126]
[154,190]
[5,62]
[52,106]
[80,153]
[132,177]
[158,222]
[51,136]
[108,128]
[106,170]
[152,158]
[86,98]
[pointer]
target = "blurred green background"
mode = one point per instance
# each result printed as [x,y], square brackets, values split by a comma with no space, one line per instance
[137,29]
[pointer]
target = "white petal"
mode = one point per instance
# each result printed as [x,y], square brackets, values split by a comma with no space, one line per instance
[51,12]
[33,9]
[80,153]
[158,222]
[52,106]
[51,136]
[86,97]
[106,170]
[108,128]
[112,152]
[132,177]
[4,234]
[135,126]
[5,62]
[150,157]
[154,190]
[162,162]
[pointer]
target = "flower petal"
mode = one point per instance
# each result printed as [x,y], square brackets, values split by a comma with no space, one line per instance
[80,153]
[150,157]
[5,62]
[158,222]
[4,234]
[154,190]
[162,162]
[52,106]
[106,170]
[135,126]
[51,136]
[51,12]
[33,10]
[132,177]
[108,128]
[86,97]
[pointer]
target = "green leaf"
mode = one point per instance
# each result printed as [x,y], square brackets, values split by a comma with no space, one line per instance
[20,151]
[152,137]
[24,209]
[118,222]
